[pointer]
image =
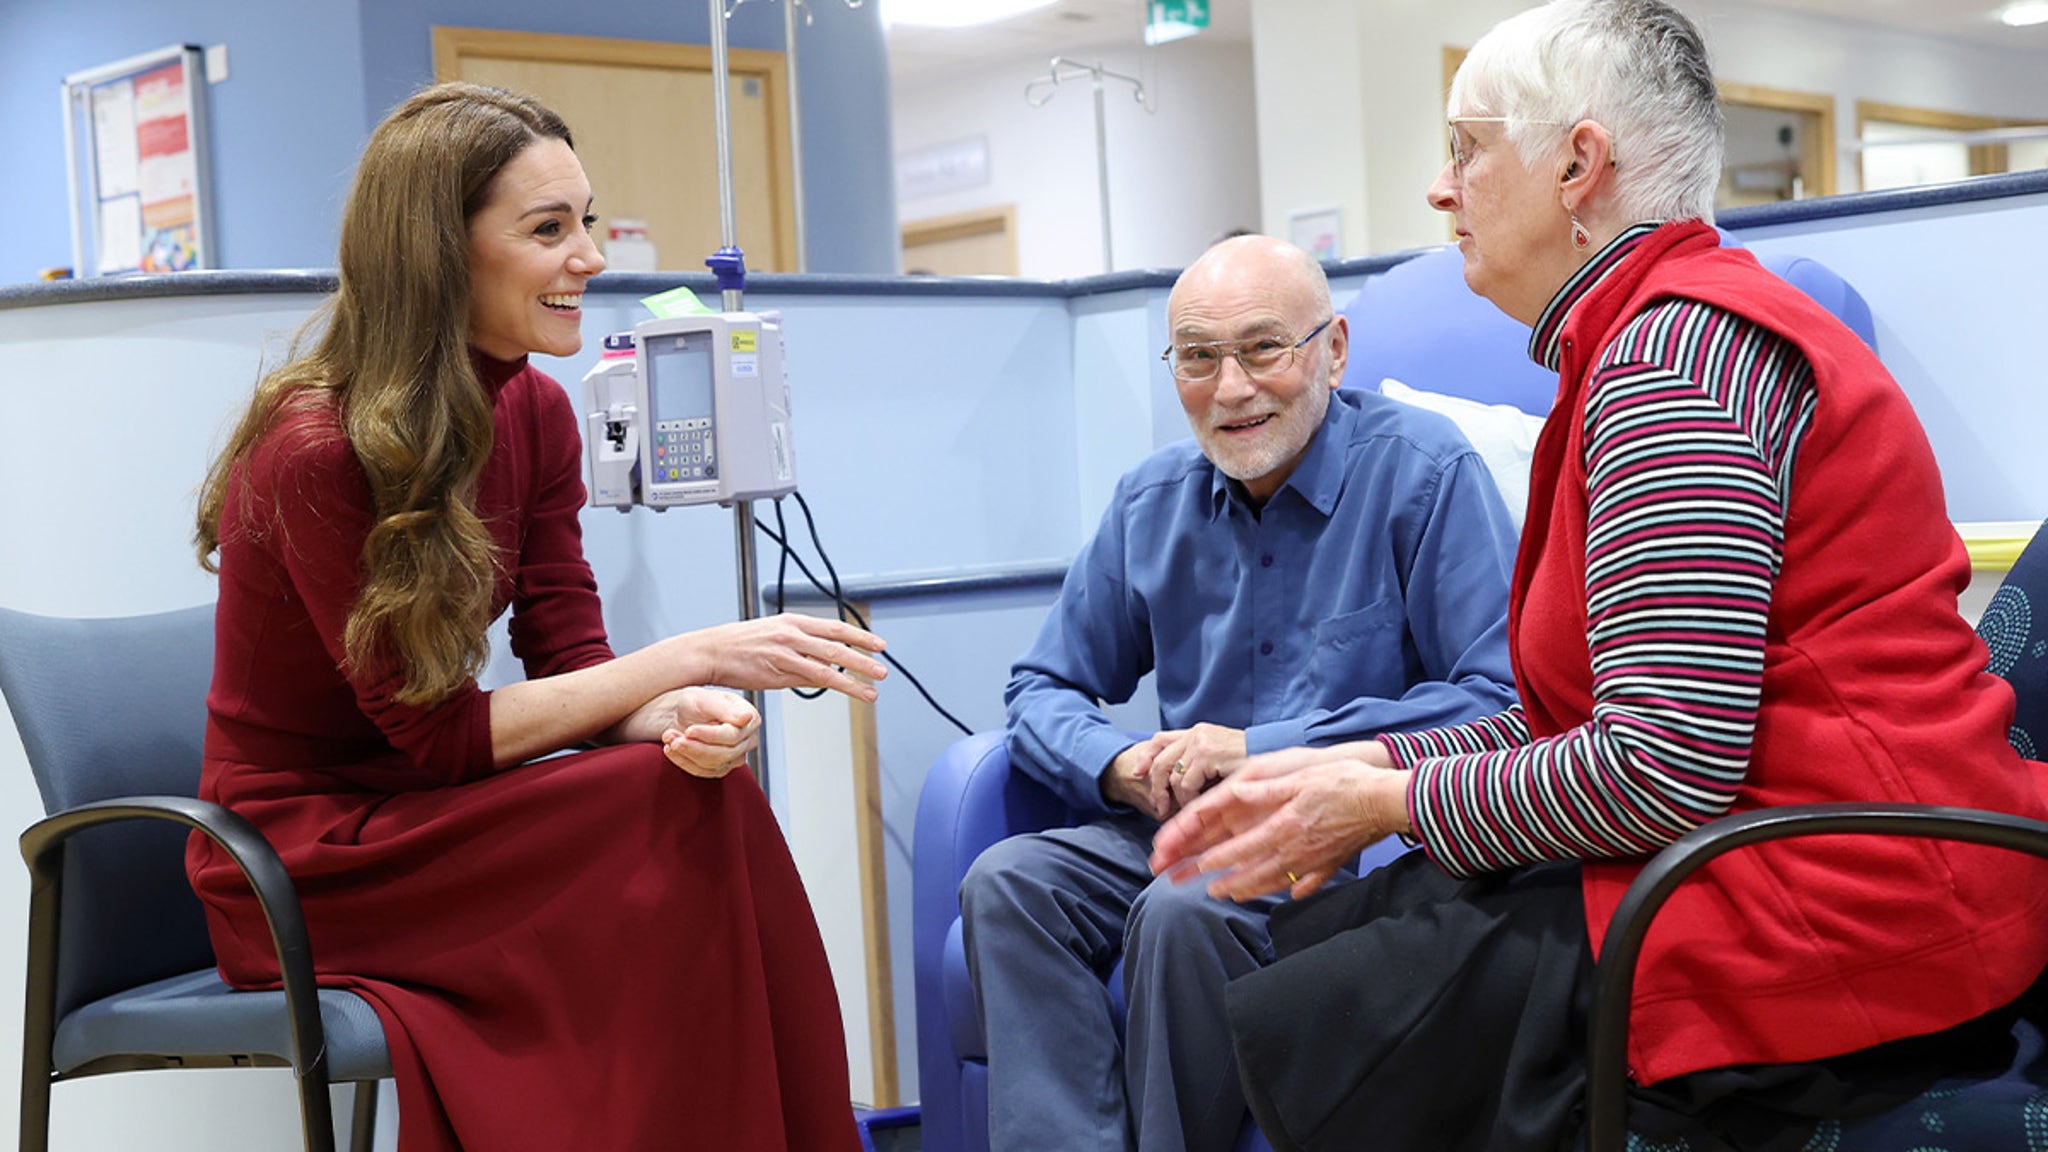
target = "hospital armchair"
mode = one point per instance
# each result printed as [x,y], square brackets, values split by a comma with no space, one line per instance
[971,799]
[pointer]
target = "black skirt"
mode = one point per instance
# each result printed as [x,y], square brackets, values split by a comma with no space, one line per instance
[1411,1011]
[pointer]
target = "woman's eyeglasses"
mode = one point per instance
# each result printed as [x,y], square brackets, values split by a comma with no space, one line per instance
[1461,146]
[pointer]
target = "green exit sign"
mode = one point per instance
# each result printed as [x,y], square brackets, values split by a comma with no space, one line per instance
[1173,19]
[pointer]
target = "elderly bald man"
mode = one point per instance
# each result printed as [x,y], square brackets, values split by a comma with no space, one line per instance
[1315,566]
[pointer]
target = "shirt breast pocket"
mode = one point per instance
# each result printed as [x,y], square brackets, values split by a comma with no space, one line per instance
[1360,653]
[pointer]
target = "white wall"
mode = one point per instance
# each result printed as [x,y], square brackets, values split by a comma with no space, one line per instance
[1307,61]
[1350,94]
[1179,176]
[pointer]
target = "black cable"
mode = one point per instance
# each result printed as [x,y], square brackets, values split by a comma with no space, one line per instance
[852,615]
[781,565]
[781,535]
[847,612]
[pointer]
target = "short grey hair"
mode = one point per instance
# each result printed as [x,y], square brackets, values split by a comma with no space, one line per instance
[1636,67]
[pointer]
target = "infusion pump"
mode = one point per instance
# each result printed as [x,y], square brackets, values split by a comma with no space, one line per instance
[690,410]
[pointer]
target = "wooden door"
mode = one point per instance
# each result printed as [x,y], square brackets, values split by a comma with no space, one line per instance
[978,243]
[1911,148]
[642,115]
[1780,145]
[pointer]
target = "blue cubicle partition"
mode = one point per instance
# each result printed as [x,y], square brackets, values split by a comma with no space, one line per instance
[956,438]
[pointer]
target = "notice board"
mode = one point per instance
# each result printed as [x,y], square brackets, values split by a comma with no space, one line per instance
[135,133]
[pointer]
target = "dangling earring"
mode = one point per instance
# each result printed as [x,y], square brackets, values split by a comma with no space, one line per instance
[1581,239]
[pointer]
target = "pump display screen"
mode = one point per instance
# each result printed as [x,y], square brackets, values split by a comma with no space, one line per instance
[679,390]
[679,377]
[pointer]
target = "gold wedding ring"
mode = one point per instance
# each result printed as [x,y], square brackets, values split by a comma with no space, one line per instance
[1293,879]
[1179,766]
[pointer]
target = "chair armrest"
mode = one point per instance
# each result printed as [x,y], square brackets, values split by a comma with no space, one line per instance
[969,800]
[1607,1071]
[42,847]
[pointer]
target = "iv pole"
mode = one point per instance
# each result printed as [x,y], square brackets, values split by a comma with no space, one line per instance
[728,264]
[1041,90]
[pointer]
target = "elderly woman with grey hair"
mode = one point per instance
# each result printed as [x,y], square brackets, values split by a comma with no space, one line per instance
[1736,589]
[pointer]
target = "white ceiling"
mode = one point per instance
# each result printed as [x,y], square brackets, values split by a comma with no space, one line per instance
[1067,27]
[1957,19]
[918,55]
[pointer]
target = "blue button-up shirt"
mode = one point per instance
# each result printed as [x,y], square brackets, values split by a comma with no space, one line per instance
[1368,595]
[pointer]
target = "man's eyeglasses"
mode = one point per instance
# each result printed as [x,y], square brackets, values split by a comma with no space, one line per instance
[1461,152]
[1260,356]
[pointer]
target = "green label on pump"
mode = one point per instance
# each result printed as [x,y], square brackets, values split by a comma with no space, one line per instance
[678,301]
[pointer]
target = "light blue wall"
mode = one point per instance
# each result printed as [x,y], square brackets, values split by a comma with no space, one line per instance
[307,81]
[285,127]
[1957,293]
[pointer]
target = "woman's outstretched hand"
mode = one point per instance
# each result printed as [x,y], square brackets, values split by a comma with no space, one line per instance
[792,651]
[1287,820]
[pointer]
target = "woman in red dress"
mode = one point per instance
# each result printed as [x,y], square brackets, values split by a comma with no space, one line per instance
[608,949]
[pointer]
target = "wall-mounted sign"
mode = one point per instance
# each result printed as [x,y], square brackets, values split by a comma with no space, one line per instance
[954,166]
[135,132]
[1173,19]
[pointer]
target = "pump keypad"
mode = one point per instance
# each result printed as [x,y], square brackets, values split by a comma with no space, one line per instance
[683,450]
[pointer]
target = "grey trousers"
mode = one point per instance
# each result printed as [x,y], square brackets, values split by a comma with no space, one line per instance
[1044,917]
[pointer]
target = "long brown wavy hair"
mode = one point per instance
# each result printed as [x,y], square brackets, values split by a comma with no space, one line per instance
[392,360]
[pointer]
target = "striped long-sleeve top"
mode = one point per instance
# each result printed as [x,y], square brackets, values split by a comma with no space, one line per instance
[1692,422]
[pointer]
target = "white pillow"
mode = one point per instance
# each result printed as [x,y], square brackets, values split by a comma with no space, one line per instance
[1503,435]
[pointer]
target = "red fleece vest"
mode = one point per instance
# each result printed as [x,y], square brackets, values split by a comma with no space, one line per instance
[1874,689]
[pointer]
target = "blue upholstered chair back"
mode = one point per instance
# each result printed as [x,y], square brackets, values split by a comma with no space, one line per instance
[106,708]
[1419,323]
[2015,627]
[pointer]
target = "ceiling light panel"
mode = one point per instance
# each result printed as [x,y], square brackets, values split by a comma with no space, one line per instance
[956,13]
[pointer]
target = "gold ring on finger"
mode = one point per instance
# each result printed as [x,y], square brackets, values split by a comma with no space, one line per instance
[1179,766]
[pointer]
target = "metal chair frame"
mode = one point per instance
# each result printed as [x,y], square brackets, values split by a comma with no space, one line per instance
[43,848]
[1607,1067]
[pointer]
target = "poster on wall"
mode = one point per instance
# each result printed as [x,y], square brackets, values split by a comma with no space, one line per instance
[135,131]
[1320,232]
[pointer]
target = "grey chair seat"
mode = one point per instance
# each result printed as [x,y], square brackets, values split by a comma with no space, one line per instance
[197,1016]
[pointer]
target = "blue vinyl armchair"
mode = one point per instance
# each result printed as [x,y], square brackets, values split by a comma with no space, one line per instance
[972,799]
